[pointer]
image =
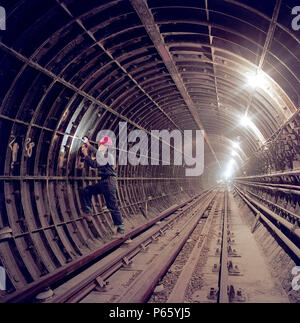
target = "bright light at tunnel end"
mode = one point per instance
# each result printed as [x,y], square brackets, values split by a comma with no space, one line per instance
[229,171]
[234,153]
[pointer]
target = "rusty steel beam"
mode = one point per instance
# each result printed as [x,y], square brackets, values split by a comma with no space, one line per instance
[213,55]
[77,90]
[147,19]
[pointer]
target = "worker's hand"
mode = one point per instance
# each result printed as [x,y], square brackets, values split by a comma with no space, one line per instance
[84,150]
[86,141]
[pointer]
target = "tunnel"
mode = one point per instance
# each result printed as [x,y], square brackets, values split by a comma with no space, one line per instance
[221,76]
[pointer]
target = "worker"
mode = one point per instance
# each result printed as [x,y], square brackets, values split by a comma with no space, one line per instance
[106,186]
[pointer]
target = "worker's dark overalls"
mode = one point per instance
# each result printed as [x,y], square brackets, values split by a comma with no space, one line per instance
[106,186]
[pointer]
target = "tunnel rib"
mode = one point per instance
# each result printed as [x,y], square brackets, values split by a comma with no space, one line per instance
[146,17]
[268,40]
[118,64]
[74,88]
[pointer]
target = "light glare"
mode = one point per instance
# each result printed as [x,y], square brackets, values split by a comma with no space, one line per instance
[248,123]
[245,121]
[234,153]
[229,170]
[257,80]
[236,144]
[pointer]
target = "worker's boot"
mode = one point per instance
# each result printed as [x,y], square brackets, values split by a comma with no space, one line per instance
[119,231]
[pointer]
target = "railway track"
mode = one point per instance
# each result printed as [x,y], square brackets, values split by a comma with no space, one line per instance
[274,200]
[185,255]
[135,272]
[79,277]
[42,288]
[204,276]
[130,273]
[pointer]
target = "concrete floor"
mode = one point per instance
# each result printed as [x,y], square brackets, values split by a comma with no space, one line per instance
[256,279]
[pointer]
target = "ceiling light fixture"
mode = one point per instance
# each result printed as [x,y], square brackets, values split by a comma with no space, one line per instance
[236,144]
[248,123]
[257,80]
[234,153]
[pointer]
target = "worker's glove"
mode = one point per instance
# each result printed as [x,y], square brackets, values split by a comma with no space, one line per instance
[86,141]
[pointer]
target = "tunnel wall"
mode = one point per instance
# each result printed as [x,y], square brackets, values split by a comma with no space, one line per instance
[41,123]
[41,229]
[280,153]
[57,85]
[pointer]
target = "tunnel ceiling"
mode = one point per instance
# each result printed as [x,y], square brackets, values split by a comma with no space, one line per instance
[78,66]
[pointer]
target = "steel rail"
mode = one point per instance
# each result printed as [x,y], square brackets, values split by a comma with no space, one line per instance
[48,280]
[290,213]
[107,266]
[223,273]
[178,292]
[285,223]
[295,172]
[141,289]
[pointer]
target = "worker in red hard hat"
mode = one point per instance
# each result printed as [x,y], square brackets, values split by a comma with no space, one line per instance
[107,185]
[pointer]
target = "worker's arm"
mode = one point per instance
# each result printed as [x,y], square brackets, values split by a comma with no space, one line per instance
[89,146]
[93,149]
[90,162]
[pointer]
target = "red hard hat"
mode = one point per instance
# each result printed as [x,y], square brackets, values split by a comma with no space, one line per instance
[105,141]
